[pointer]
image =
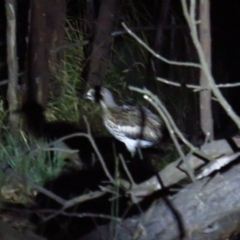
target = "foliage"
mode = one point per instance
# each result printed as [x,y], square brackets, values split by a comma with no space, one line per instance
[27,158]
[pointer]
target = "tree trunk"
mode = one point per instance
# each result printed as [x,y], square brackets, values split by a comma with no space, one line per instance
[161,23]
[102,43]
[38,53]
[205,95]
[55,32]
[12,62]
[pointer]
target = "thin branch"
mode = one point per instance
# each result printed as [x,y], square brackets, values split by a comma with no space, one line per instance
[4,82]
[196,87]
[97,152]
[186,64]
[126,170]
[217,164]
[48,193]
[81,215]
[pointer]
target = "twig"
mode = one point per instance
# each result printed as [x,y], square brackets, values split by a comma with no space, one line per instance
[186,64]
[196,87]
[217,164]
[97,152]
[4,82]
[126,170]
[74,201]
[71,45]
[48,193]
[81,215]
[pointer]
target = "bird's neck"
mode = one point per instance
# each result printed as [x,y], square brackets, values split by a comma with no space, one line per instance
[106,109]
[108,104]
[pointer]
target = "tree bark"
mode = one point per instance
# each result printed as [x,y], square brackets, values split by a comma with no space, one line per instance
[161,23]
[12,62]
[55,31]
[206,117]
[207,209]
[38,52]
[102,43]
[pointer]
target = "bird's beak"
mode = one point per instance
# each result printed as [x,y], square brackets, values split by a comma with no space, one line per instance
[90,95]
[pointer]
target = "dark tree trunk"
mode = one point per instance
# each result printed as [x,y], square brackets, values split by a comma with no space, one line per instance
[56,18]
[102,43]
[47,21]
[161,12]
[55,32]
[38,53]
[159,39]
[90,17]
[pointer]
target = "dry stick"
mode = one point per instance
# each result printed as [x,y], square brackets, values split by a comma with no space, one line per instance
[196,87]
[74,201]
[97,151]
[81,215]
[48,193]
[204,66]
[59,150]
[127,171]
[186,64]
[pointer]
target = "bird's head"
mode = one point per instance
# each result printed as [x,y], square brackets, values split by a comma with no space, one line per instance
[101,94]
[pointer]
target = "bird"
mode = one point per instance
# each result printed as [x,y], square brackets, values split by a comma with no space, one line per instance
[136,127]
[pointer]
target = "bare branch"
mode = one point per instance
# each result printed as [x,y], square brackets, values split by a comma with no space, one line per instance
[196,87]
[186,64]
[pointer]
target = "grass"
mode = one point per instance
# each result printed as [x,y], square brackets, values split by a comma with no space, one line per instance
[27,158]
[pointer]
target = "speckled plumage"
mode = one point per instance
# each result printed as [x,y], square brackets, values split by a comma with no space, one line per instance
[135,126]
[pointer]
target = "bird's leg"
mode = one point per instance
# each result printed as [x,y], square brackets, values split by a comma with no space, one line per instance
[140,153]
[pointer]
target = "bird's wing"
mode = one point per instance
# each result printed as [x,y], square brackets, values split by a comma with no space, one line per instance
[129,121]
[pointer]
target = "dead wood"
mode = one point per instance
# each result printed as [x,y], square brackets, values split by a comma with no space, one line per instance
[206,209]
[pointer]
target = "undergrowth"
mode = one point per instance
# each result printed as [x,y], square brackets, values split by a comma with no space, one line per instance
[27,159]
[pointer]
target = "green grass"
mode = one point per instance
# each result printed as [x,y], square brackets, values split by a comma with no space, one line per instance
[27,158]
